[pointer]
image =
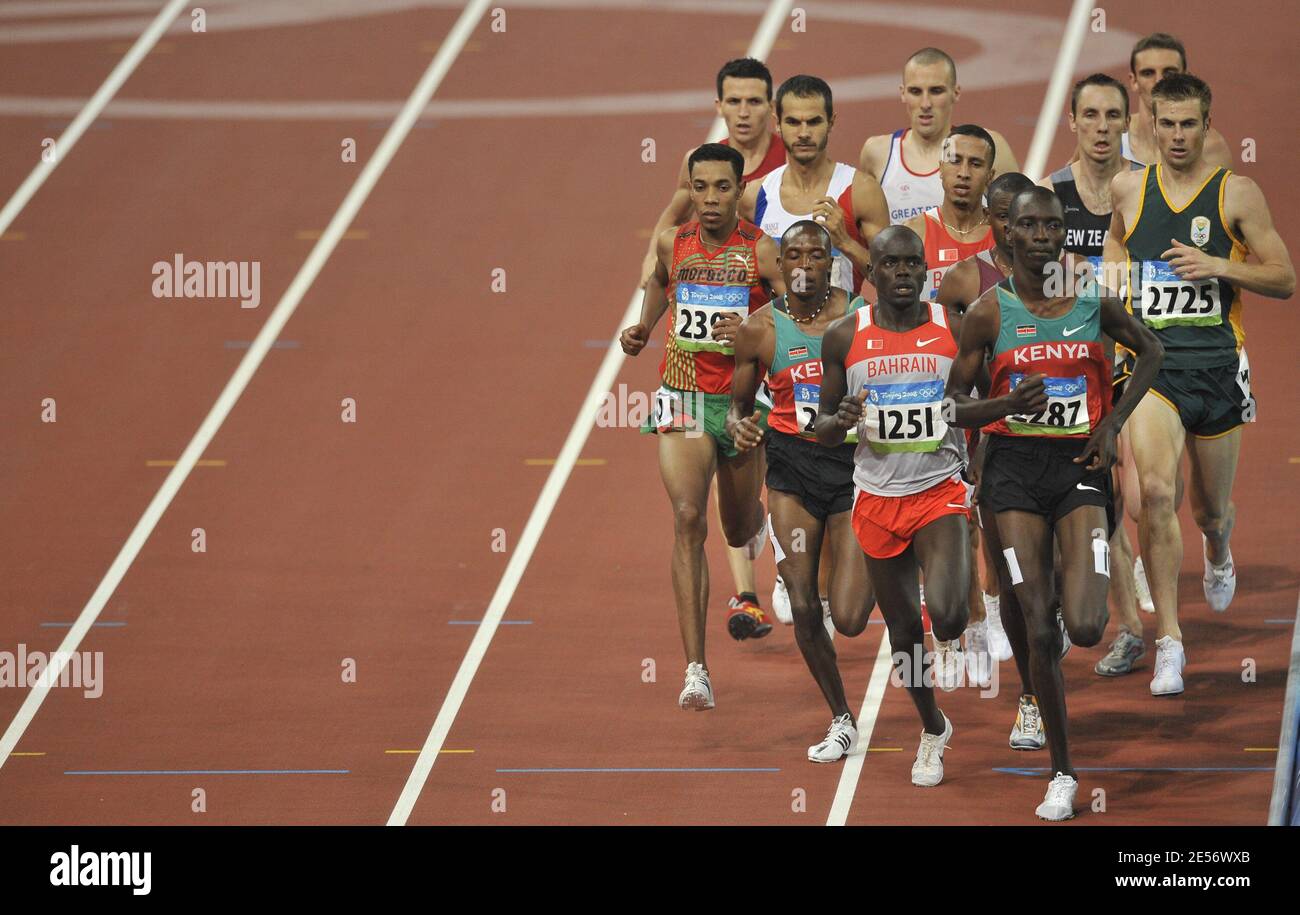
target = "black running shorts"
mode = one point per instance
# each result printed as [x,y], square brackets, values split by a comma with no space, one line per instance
[821,478]
[1037,474]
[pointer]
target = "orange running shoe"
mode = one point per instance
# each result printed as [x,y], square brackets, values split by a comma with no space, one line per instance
[746,620]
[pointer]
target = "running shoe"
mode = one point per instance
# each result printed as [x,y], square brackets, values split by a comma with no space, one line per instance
[1059,802]
[1125,651]
[1220,582]
[1170,661]
[927,771]
[1027,733]
[781,603]
[1143,587]
[947,665]
[746,620]
[999,644]
[698,694]
[979,663]
[841,740]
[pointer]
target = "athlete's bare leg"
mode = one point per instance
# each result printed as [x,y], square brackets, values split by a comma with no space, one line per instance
[1214,467]
[975,593]
[740,484]
[826,568]
[850,589]
[742,570]
[800,537]
[1085,574]
[687,464]
[1156,436]
[1013,618]
[1123,585]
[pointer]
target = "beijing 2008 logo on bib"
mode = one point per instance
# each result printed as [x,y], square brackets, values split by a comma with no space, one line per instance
[1200,231]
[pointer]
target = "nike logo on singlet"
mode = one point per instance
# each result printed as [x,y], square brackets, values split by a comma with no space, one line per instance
[1073,330]
[926,342]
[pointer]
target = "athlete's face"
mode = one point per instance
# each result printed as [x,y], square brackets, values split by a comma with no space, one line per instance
[897,267]
[999,211]
[1150,67]
[1180,131]
[1037,230]
[1098,123]
[806,266]
[715,191]
[745,108]
[805,128]
[965,169]
[929,92]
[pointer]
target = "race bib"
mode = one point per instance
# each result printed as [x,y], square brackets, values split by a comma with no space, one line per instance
[1066,412]
[1169,301]
[904,417]
[807,398]
[671,411]
[700,307]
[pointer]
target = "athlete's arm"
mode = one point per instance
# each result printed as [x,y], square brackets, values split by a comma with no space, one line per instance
[956,290]
[1004,160]
[873,155]
[749,200]
[870,208]
[1247,212]
[768,269]
[676,213]
[751,341]
[655,301]
[1216,150]
[1114,253]
[979,332]
[1120,325]
[837,413]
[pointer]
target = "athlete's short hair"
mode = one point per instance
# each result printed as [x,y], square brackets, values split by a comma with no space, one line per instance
[1010,183]
[745,68]
[803,86]
[716,152]
[807,225]
[979,133]
[1097,79]
[1161,40]
[1032,194]
[927,56]
[1181,87]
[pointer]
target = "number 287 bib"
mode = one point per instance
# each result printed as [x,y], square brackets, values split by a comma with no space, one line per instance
[1066,412]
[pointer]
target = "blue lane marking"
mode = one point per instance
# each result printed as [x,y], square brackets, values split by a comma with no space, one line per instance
[210,772]
[278,344]
[640,770]
[69,625]
[1039,770]
[479,622]
[1284,622]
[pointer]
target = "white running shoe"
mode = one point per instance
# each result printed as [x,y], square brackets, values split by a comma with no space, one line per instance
[979,664]
[1059,803]
[781,603]
[1066,644]
[1143,587]
[1027,733]
[826,617]
[1220,582]
[927,771]
[947,664]
[841,740]
[1170,661]
[698,694]
[754,548]
[999,644]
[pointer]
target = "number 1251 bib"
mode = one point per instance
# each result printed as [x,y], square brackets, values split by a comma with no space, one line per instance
[700,307]
[904,417]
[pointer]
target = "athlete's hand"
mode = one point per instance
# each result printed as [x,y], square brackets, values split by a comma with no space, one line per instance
[747,433]
[1100,448]
[827,212]
[633,339]
[1030,396]
[850,410]
[1192,263]
[726,328]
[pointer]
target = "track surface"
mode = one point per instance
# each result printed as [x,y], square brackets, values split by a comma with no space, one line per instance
[373,541]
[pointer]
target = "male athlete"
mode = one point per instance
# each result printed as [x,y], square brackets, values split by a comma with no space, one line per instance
[884,370]
[1047,469]
[1098,113]
[906,162]
[744,102]
[959,227]
[810,488]
[1153,58]
[716,267]
[1184,228]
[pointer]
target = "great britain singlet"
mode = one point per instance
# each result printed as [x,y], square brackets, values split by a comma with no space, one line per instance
[775,219]
[795,376]
[1197,321]
[908,193]
[904,444]
[704,287]
[1068,350]
[774,158]
[943,252]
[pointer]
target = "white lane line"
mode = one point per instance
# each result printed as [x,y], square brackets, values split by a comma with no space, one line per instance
[63,145]
[759,48]
[1283,798]
[866,724]
[1049,116]
[307,274]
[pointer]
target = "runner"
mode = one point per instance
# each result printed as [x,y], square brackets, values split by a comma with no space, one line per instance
[1184,228]
[810,488]
[744,102]
[958,228]
[716,268]
[906,162]
[1153,58]
[884,370]
[1052,440]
